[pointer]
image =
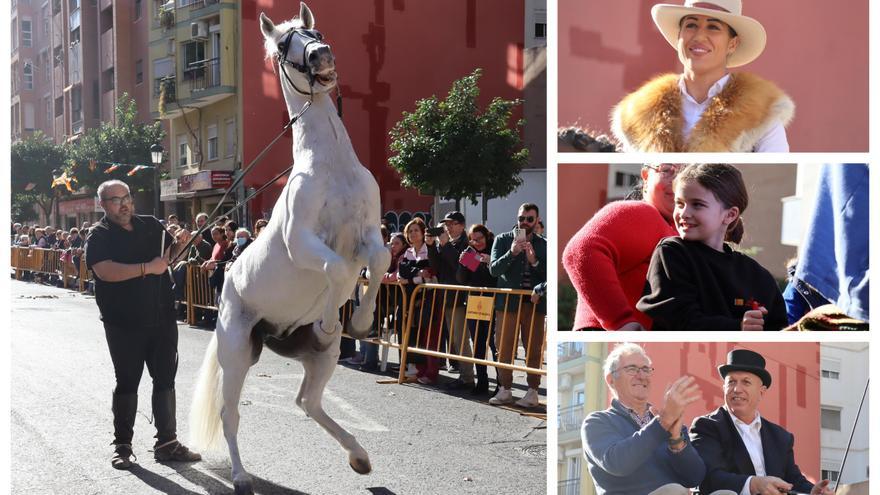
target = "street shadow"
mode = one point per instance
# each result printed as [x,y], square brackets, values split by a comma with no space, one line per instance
[380,490]
[158,482]
[212,486]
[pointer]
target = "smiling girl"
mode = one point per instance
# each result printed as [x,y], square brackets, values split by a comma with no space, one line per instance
[697,281]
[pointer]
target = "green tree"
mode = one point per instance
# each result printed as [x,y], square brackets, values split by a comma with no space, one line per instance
[127,141]
[34,163]
[451,148]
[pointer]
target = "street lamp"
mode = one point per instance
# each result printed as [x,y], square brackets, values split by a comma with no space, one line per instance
[156,153]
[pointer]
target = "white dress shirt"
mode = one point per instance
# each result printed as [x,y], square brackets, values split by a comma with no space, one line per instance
[774,140]
[751,437]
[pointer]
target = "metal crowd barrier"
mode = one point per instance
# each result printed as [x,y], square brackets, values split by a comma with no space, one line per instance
[199,293]
[49,262]
[431,304]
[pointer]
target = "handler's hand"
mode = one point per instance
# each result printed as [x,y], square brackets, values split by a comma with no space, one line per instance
[821,488]
[754,320]
[157,266]
[678,395]
[768,485]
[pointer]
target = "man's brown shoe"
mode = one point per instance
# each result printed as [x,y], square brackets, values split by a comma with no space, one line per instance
[174,451]
[121,456]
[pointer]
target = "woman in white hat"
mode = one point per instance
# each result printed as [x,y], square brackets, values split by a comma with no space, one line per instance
[706,108]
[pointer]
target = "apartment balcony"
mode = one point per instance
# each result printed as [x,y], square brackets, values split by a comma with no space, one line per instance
[74,64]
[77,126]
[107,49]
[570,419]
[202,75]
[569,487]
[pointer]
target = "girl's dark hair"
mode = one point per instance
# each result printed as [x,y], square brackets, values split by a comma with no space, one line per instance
[726,183]
[402,237]
[478,227]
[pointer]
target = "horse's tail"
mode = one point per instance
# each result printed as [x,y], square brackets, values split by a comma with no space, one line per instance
[204,418]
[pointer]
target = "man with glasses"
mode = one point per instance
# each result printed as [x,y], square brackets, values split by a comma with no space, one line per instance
[631,447]
[519,261]
[135,298]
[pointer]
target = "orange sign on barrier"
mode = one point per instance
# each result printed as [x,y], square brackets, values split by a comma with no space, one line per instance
[480,307]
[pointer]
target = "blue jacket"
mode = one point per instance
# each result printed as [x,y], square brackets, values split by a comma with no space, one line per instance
[727,461]
[509,269]
[834,255]
[626,460]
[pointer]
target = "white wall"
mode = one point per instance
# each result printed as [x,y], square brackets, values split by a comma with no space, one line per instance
[846,393]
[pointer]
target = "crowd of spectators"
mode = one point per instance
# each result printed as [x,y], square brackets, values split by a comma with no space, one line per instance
[449,253]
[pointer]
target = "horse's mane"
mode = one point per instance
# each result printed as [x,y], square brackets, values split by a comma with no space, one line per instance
[271,45]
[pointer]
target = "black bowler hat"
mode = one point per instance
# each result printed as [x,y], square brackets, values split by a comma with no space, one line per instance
[746,360]
[455,216]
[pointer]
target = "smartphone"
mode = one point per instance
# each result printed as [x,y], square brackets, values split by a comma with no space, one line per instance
[435,231]
[519,234]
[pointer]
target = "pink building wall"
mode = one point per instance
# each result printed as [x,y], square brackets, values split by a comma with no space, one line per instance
[792,401]
[607,48]
[582,192]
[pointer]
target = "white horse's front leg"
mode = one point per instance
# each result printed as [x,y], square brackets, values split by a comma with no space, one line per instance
[378,258]
[309,252]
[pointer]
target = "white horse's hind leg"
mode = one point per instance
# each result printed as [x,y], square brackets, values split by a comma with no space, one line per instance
[235,356]
[378,258]
[318,370]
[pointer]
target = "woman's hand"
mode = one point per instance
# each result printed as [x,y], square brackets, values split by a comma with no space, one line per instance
[753,320]
[485,258]
[632,326]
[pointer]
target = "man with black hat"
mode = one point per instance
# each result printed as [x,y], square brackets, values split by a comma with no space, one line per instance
[743,451]
[443,252]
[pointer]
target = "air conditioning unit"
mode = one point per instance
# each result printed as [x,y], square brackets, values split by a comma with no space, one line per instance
[199,29]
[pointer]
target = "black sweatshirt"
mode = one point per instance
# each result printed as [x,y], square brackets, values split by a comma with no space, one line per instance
[691,286]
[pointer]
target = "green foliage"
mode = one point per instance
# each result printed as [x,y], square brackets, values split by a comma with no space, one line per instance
[449,148]
[33,162]
[566,306]
[128,141]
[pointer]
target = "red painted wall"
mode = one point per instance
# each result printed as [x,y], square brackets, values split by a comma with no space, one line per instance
[582,192]
[389,53]
[792,401]
[608,48]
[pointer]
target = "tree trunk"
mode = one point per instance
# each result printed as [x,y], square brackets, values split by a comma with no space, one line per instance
[485,203]
[435,208]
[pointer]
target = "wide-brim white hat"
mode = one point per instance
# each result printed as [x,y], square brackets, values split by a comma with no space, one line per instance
[752,36]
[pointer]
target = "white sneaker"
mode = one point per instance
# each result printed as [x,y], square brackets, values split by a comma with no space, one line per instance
[411,370]
[530,400]
[504,396]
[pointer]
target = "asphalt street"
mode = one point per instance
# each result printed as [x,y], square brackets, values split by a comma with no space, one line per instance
[421,440]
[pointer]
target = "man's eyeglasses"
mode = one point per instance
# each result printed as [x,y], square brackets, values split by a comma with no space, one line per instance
[118,200]
[632,370]
[666,170]
[529,218]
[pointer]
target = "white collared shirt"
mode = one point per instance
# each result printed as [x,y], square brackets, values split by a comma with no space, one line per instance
[773,141]
[751,437]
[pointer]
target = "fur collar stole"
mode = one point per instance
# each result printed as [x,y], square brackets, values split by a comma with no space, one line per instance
[650,119]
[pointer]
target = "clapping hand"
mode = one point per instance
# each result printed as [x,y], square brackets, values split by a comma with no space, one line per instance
[678,396]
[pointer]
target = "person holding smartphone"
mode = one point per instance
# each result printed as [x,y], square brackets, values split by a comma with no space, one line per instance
[519,260]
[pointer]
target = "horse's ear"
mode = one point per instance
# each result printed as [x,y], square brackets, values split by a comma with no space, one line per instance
[306,16]
[266,25]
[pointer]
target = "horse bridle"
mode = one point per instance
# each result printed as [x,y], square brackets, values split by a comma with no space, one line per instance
[312,36]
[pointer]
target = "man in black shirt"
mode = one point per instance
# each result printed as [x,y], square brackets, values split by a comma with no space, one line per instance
[134,294]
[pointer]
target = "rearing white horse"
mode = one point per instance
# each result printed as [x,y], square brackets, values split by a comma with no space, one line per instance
[286,289]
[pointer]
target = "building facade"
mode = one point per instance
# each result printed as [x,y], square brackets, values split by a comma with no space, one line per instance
[844,375]
[71,62]
[194,72]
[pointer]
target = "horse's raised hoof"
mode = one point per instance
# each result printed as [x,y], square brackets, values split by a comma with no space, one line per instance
[243,488]
[361,465]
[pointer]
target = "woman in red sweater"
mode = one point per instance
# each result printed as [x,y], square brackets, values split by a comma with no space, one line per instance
[607,260]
